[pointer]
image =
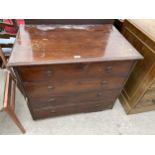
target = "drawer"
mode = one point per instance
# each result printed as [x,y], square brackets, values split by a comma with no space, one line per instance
[73,71]
[148,99]
[70,109]
[149,95]
[145,103]
[93,97]
[54,88]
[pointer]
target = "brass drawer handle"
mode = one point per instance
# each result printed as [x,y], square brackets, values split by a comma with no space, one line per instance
[50,87]
[99,94]
[51,100]
[97,105]
[104,82]
[109,69]
[153,101]
[49,72]
[53,111]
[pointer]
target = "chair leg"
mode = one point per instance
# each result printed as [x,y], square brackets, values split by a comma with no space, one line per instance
[15,119]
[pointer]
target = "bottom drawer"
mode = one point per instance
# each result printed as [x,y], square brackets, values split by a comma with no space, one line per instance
[145,103]
[69,109]
[147,100]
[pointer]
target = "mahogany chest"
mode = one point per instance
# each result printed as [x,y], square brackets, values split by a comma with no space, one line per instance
[138,94]
[66,69]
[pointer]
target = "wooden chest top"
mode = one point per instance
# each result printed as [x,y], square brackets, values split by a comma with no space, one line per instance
[54,44]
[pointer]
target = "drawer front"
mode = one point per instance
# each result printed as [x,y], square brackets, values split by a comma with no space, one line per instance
[51,88]
[148,99]
[146,103]
[149,95]
[70,109]
[73,71]
[93,97]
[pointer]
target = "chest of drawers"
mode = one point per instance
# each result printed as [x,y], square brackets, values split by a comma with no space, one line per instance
[66,69]
[138,94]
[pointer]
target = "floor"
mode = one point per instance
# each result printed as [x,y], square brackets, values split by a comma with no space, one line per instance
[114,122]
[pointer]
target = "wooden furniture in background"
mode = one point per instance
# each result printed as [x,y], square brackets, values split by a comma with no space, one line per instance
[7,95]
[138,94]
[66,69]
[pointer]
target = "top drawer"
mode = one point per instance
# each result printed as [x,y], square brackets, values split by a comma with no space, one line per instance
[73,71]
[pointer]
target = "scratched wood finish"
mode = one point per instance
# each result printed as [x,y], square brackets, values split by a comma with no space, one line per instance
[138,94]
[62,44]
[67,69]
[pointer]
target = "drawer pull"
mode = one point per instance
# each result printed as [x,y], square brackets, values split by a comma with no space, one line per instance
[50,87]
[51,100]
[109,69]
[53,111]
[99,94]
[49,72]
[153,101]
[104,82]
[97,105]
